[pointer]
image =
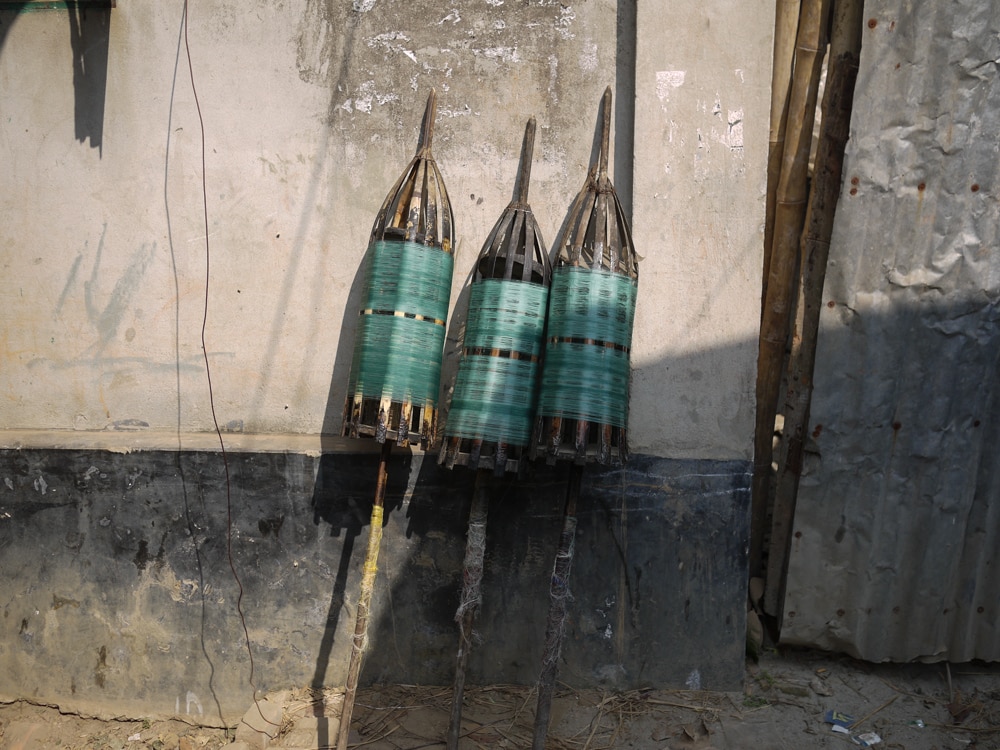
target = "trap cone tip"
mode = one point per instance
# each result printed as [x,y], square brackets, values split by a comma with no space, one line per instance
[427,127]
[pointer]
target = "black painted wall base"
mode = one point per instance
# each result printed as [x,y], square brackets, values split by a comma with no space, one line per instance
[119,597]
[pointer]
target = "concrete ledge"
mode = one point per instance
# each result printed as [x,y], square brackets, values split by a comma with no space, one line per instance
[141,439]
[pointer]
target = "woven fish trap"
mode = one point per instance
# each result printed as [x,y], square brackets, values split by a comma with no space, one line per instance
[396,366]
[490,421]
[583,406]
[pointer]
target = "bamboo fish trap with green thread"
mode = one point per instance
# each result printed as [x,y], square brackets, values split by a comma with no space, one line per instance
[396,366]
[583,405]
[489,424]
[493,405]
[396,370]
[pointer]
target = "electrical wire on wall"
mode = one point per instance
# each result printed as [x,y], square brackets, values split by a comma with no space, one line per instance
[204,349]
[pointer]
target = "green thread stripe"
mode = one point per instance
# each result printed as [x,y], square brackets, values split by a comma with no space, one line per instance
[494,400]
[592,305]
[397,350]
[497,382]
[506,315]
[586,375]
[408,277]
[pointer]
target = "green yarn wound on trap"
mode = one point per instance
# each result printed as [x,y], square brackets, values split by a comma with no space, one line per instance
[400,357]
[588,381]
[495,396]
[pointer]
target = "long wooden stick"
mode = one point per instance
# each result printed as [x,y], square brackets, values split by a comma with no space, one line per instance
[360,641]
[786,21]
[845,49]
[556,624]
[472,577]
[789,216]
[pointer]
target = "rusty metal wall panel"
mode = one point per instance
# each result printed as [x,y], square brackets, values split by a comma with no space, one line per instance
[897,528]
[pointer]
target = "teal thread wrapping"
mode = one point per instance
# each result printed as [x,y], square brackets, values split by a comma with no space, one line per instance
[401,329]
[584,380]
[495,395]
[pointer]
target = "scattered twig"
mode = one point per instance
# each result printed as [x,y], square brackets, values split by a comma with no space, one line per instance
[867,716]
[672,704]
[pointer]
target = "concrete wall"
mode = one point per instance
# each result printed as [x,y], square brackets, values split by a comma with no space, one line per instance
[310,110]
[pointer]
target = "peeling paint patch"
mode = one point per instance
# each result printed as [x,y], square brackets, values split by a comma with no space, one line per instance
[453,17]
[363,6]
[735,135]
[366,96]
[389,41]
[588,58]
[504,54]
[494,3]
[565,22]
[666,80]
[553,77]
[40,484]
[462,112]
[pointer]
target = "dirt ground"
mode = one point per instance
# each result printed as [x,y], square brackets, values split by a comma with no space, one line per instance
[786,697]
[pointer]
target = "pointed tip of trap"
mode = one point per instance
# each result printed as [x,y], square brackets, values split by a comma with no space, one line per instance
[427,126]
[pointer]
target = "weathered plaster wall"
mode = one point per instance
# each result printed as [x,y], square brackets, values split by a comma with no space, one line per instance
[702,92]
[113,513]
[311,109]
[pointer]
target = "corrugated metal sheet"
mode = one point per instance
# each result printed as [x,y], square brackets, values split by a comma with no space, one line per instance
[897,528]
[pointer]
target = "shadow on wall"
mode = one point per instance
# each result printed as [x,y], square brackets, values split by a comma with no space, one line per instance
[89,36]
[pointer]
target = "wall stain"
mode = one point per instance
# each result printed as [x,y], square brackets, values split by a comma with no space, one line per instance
[61,601]
[107,319]
[142,556]
[102,666]
[270,525]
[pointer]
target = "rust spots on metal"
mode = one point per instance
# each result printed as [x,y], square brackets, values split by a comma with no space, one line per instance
[872,23]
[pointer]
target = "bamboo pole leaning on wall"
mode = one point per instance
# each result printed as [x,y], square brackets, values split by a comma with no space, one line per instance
[396,363]
[490,424]
[583,405]
[786,22]
[790,205]
[842,71]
